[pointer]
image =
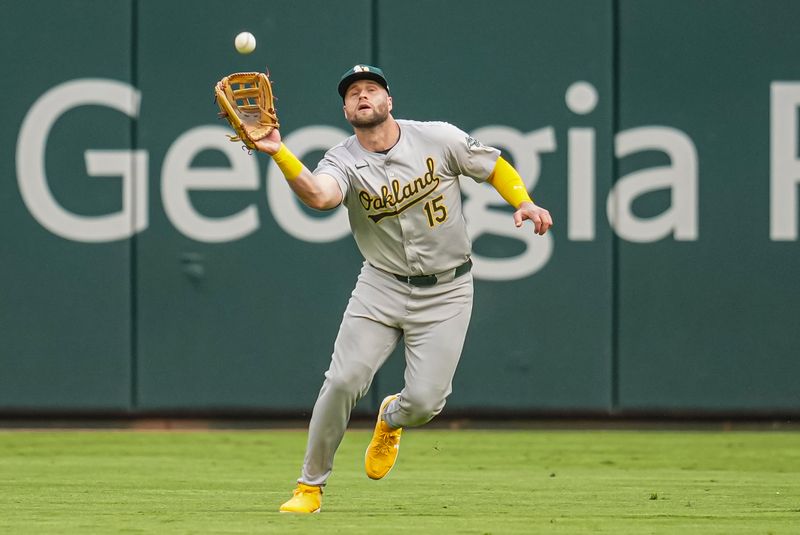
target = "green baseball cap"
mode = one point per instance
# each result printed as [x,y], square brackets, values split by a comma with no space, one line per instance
[362,72]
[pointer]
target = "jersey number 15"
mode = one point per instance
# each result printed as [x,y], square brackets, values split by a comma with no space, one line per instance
[435,211]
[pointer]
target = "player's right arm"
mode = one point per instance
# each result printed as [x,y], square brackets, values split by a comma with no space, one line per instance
[318,191]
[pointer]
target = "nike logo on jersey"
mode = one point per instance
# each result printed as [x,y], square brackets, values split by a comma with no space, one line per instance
[400,198]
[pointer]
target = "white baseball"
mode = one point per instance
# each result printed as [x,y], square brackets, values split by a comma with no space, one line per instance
[245,42]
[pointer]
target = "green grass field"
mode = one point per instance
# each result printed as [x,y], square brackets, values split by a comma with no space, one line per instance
[537,481]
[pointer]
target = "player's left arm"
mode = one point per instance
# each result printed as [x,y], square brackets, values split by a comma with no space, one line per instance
[506,180]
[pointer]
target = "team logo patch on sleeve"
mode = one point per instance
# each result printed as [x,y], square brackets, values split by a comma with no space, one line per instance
[473,143]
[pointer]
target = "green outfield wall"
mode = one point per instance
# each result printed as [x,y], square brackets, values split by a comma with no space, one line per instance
[148,265]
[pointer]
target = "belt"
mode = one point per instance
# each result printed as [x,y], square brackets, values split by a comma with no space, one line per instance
[431,280]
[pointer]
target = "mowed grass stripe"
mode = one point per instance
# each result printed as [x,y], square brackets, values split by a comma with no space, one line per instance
[445,482]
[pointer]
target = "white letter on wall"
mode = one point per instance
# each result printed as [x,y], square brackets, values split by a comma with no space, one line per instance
[178,178]
[784,165]
[680,177]
[130,165]
[482,219]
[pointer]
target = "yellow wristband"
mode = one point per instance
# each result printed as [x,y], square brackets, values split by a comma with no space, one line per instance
[509,184]
[288,163]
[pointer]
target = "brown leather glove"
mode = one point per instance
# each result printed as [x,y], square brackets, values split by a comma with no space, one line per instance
[246,101]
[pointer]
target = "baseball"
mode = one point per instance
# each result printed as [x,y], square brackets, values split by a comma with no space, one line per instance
[245,42]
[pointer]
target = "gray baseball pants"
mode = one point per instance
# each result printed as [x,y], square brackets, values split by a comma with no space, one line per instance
[433,321]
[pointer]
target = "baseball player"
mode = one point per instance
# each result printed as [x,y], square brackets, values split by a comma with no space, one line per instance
[399,181]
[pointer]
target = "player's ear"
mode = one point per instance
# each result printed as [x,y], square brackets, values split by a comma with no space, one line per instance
[389,99]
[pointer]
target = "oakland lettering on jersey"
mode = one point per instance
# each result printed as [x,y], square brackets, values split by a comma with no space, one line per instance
[400,198]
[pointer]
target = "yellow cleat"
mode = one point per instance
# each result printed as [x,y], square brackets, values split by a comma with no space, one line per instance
[306,499]
[382,450]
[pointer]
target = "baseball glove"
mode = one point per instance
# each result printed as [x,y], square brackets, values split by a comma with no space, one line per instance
[246,101]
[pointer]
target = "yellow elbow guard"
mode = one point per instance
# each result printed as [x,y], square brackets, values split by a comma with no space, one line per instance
[288,163]
[508,183]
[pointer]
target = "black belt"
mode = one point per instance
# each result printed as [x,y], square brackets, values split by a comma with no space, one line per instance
[431,280]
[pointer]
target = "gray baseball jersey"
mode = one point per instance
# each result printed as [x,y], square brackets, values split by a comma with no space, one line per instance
[405,206]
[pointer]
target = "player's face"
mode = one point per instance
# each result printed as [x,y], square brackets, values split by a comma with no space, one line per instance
[366,104]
